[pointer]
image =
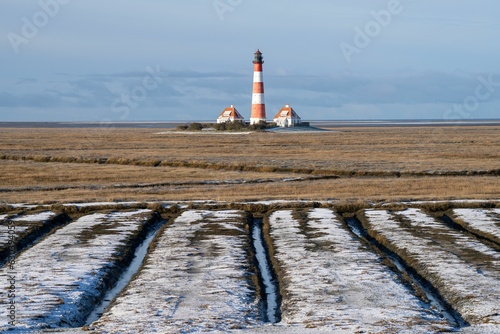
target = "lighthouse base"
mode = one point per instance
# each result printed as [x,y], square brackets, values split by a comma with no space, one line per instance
[257,120]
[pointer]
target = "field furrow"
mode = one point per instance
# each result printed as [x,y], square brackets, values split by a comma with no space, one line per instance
[19,231]
[59,280]
[465,271]
[332,281]
[17,226]
[196,278]
[485,223]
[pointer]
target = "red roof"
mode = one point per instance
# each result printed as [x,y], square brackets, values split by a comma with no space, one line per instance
[231,112]
[287,112]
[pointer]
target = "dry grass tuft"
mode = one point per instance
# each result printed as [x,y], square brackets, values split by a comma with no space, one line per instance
[349,208]
[438,207]
[359,164]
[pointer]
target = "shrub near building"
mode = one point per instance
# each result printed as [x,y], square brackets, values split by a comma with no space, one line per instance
[229,126]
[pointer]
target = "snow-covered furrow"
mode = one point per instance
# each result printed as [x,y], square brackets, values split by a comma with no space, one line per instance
[42,216]
[17,232]
[480,221]
[59,280]
[464,271]
[196,279]
[460,244]
[17,226]
[140,253]
[332,281]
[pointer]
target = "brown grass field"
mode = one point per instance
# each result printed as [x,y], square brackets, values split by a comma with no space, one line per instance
[363,164]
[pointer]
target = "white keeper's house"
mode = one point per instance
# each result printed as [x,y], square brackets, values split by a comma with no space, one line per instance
[230,115]
[287,117]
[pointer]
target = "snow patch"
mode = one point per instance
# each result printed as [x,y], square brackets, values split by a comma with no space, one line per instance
[21,225]
[481,220]
[37,217]
[57,279]
[92,204]
[334,283]
[195,279]
[465,271]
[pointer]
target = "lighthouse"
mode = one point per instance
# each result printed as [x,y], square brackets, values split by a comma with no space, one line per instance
[258,104]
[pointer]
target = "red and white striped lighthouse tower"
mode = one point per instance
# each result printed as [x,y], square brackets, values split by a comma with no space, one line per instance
[258,104]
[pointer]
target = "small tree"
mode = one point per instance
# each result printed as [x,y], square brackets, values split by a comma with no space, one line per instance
[262,125]
[220,126]
[195,126]
[234,126]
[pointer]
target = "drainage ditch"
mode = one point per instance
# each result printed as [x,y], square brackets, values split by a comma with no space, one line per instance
[271,299]
[405,272]
[136,263]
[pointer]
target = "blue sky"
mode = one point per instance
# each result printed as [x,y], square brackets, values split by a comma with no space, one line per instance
[160,60]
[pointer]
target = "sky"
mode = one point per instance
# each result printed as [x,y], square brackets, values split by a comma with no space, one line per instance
[165,60]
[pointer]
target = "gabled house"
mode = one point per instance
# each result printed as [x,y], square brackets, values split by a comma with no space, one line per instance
[287,117]
[230,115]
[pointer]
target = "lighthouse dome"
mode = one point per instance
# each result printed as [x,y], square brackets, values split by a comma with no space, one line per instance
[258,59]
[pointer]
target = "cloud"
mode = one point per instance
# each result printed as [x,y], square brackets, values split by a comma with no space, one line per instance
[202,94]
[399,87]
[31,100]
[26,81]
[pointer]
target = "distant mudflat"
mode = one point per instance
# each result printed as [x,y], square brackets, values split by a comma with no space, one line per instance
[103,125]
[405,123]
[318,124]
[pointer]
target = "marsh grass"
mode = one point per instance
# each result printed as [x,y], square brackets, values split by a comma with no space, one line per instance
[54,165]
[437,208]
